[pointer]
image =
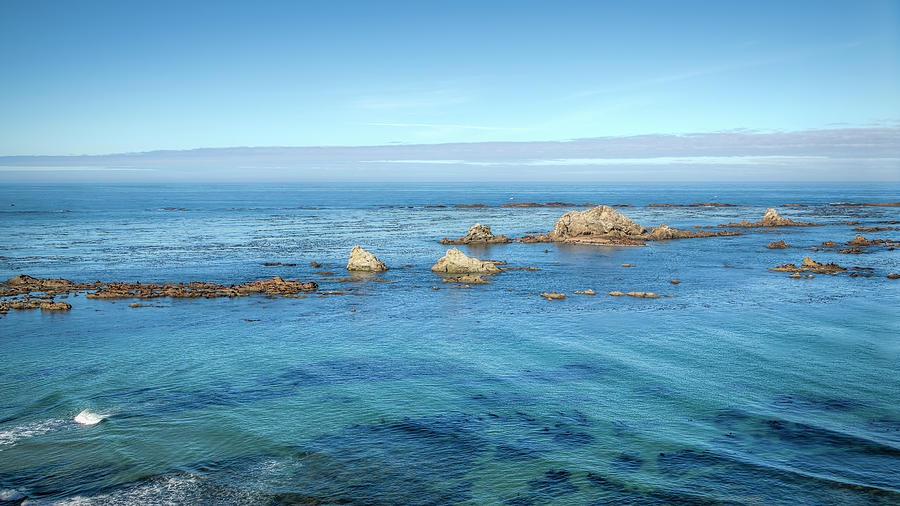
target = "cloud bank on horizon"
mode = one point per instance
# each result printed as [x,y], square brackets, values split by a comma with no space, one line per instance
[849,154]
[449,90]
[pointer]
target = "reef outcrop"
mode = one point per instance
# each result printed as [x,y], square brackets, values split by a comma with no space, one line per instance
[770,219]
[778,245]
[810,265]
[478,234]
[362,260]
[457,262]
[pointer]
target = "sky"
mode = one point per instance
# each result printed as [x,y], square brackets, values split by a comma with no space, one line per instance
[101,78]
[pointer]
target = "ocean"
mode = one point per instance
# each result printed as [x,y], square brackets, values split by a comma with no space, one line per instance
[740,385]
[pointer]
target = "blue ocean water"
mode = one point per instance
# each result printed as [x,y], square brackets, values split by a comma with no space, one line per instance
[745,386]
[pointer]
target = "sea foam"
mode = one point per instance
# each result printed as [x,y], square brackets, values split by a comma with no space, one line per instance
[87,417]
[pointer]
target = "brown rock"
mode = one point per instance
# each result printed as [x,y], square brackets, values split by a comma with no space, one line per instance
[829,244]
[674,281]
[456,262]
[478,234]
[553,295]
[600,220]
[471,279]
[628,265]
[771,219]
[893,276]
[616,293]
[871,229]
[586,292]
[643,295]
[778,245]
[472,205]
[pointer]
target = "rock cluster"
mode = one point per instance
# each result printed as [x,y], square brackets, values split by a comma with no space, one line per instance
[810,265]
[770,219]
[478,234]
[362,260]
[778,245]
[273,286]
[553,295]
[456,262]
[467,279]
[29,303]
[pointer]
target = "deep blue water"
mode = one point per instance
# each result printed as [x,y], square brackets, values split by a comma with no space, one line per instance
[745,386]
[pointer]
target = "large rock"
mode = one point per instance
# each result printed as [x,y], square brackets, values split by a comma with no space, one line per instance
[478,234]
[600,220]
[362,260]
[456,262]
[771,219]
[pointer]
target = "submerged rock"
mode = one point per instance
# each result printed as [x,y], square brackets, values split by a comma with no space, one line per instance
[457,262]
[810,265]
[553,295]
[362,260]
[469,279]
[478,234]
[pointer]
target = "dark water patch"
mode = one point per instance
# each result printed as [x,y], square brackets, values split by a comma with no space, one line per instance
[56,481]
[627,462]
[519,451]
[573,417]
[730,417]
[566,437]
[614,492]
[554,483]
[806,435]
[885,429]
[414,460]
[807,404]
[508,400]
[661,391]
[875,471]
[687,461]
[569,372]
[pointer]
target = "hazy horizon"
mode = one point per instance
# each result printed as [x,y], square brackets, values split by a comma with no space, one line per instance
[351,91]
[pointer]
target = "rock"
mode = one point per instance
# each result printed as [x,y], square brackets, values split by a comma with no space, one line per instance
[811,266]
[471,279]
[599,220]
[771,219]
[876,204]
[643,295]
[553,295]
[532,239]
[316,265]
[628,265]
[872,229]
[798,275]
[587,292]
[829,244]
[362,260]
[471,205]
[853,251]
[456,262]
[616,293]
[674,281]
[699,204]
[893,276]
[778,245]
[858,241]
[478,234]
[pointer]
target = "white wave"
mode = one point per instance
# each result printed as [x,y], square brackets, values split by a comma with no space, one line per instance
[10,435]
[88,417]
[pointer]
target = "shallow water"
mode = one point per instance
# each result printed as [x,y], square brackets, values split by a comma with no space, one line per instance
[745,386]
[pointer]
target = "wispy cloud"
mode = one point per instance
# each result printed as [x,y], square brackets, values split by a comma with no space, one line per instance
[445,125]
[411,99]
[841,154]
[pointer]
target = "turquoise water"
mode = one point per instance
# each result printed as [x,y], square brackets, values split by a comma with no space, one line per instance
[745,386]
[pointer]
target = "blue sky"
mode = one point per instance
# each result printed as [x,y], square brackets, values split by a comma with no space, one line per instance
[113,77]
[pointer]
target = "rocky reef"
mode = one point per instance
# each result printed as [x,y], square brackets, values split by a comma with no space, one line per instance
[478,234]
[362,260]
[457,262]
[810,265]
[770,219]
[778,245]
[603,225]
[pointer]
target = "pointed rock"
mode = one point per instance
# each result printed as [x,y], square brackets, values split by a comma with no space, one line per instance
[362,260]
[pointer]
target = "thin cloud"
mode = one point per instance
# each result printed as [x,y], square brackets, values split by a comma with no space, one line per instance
[444,125]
